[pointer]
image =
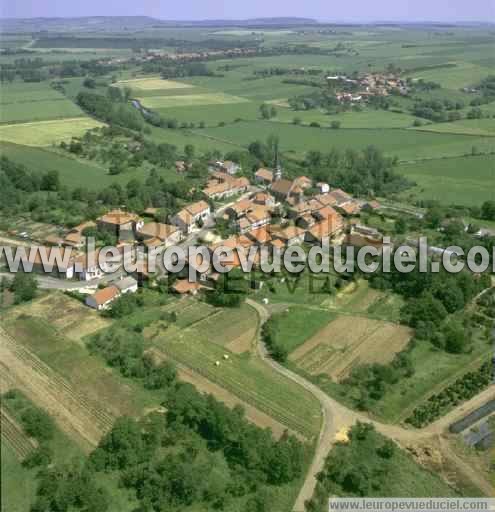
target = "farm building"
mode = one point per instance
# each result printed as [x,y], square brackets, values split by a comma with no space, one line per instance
[102,299]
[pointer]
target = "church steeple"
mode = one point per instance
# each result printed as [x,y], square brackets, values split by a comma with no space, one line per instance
[278,168]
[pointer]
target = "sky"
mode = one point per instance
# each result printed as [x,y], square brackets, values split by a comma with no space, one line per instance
[324,10]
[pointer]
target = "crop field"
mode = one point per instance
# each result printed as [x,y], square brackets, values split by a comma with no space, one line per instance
[76,322]
[367,119]
[152,84]
[406,144]
[189,100]
[46,133]
[461,75]
[347,342]
[464,126]
[73,172]
[22,102]
[43,356]
[199,346]
[464,180]
[13,435]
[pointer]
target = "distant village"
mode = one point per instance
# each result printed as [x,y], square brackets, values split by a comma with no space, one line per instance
[371,84]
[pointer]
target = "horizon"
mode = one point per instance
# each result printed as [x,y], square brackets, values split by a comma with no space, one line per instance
[382,11]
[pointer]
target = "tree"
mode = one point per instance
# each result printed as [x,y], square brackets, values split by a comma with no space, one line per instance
[189,151]
[24,287]
[488,210]
[38,424]
[50,181]
[265,111]
[335,125]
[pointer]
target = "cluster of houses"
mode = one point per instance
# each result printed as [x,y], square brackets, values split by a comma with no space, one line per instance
[370,84]
[277,212]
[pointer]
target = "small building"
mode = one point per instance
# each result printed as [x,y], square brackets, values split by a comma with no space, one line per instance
[126,285]
[102,299]
[361,236]
[185,287]
[263,199]
[291,235]
[263,177]
[119,222]
[323,187]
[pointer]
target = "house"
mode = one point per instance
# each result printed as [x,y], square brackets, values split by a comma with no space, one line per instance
[277,245]
[350,208]
[281,189]
[305,221]
[102,299]
[220,187]
[161,236]
[260,236]
[75,237]
[226,166]
[361,236]
[290,235]
[323,187]
[126,285]
[183,287]
[325,229]
[304,182]
[239,208]
[263,199]
[255,218]
[186,218]
[263,177]
[119,222]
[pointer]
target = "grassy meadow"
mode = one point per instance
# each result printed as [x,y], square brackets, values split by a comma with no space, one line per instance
[464,180]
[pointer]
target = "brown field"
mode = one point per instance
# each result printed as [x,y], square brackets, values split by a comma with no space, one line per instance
[13,435]
[68,316]
[349,341]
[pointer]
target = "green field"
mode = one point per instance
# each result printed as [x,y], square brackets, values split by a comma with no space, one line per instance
[46,133]
[406,144]
[189,100]
[462,75]
[73,172]
[198,347]
[465,126]
[154,84]
[465,181]
[365,119]
[21,102]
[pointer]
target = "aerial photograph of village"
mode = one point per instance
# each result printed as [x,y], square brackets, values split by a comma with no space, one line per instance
[247,256]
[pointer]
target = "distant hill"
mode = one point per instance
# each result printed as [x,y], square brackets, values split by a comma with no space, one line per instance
[134,23]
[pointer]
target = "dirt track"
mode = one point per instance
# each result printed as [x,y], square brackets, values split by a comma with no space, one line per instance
[336,417]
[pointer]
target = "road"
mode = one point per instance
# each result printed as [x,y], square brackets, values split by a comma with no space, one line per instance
[336,417]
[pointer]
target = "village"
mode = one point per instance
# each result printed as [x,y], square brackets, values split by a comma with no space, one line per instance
[273,211]
[360,89]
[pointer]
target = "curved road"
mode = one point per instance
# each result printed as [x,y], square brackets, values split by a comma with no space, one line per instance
[336,417]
